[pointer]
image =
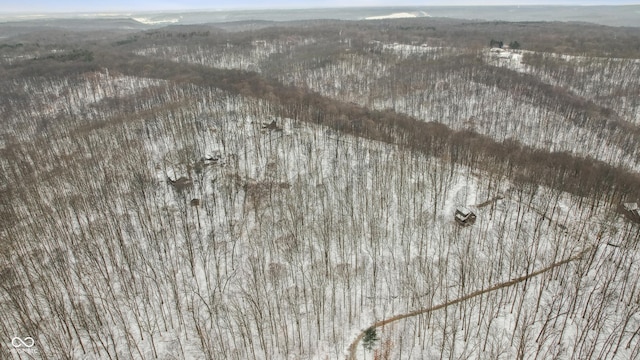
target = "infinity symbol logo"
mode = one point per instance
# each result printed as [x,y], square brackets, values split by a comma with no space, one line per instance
[26,342]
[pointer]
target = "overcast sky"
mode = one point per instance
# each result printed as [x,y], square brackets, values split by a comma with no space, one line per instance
[41,6]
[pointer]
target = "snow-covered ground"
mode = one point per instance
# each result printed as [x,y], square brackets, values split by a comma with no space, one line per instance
[286,242]
[228,56]
[399,15]
[149,21]
[609,82]
[460,98]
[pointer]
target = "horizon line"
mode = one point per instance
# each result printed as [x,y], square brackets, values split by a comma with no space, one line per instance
[132,11]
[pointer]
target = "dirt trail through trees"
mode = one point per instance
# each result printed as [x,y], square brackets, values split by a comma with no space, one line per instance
[354,344]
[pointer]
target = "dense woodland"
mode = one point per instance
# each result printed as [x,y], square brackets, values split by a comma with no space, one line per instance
[287,190]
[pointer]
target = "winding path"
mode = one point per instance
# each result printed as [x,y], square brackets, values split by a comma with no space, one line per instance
[354,344]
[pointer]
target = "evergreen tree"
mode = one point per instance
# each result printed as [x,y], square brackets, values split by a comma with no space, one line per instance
[370,338]
[496,43]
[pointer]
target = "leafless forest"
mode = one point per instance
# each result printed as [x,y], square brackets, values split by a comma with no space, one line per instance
[261,190]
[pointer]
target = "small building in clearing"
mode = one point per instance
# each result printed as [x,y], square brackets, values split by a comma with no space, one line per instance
[464,216]
[632,210]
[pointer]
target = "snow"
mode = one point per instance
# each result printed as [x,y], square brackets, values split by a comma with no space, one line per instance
[460,101]
[149,21]
[228,56]
[398,15]
[303,237]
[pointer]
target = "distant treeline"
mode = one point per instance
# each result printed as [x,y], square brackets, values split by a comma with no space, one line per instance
[557,37]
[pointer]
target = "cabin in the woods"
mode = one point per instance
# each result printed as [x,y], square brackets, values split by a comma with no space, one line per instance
[632,210]
[464,216]
[271,126]
[631,207]
[500,53]
[181,184]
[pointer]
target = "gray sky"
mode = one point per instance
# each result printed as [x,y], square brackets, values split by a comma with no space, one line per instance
[42,6]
